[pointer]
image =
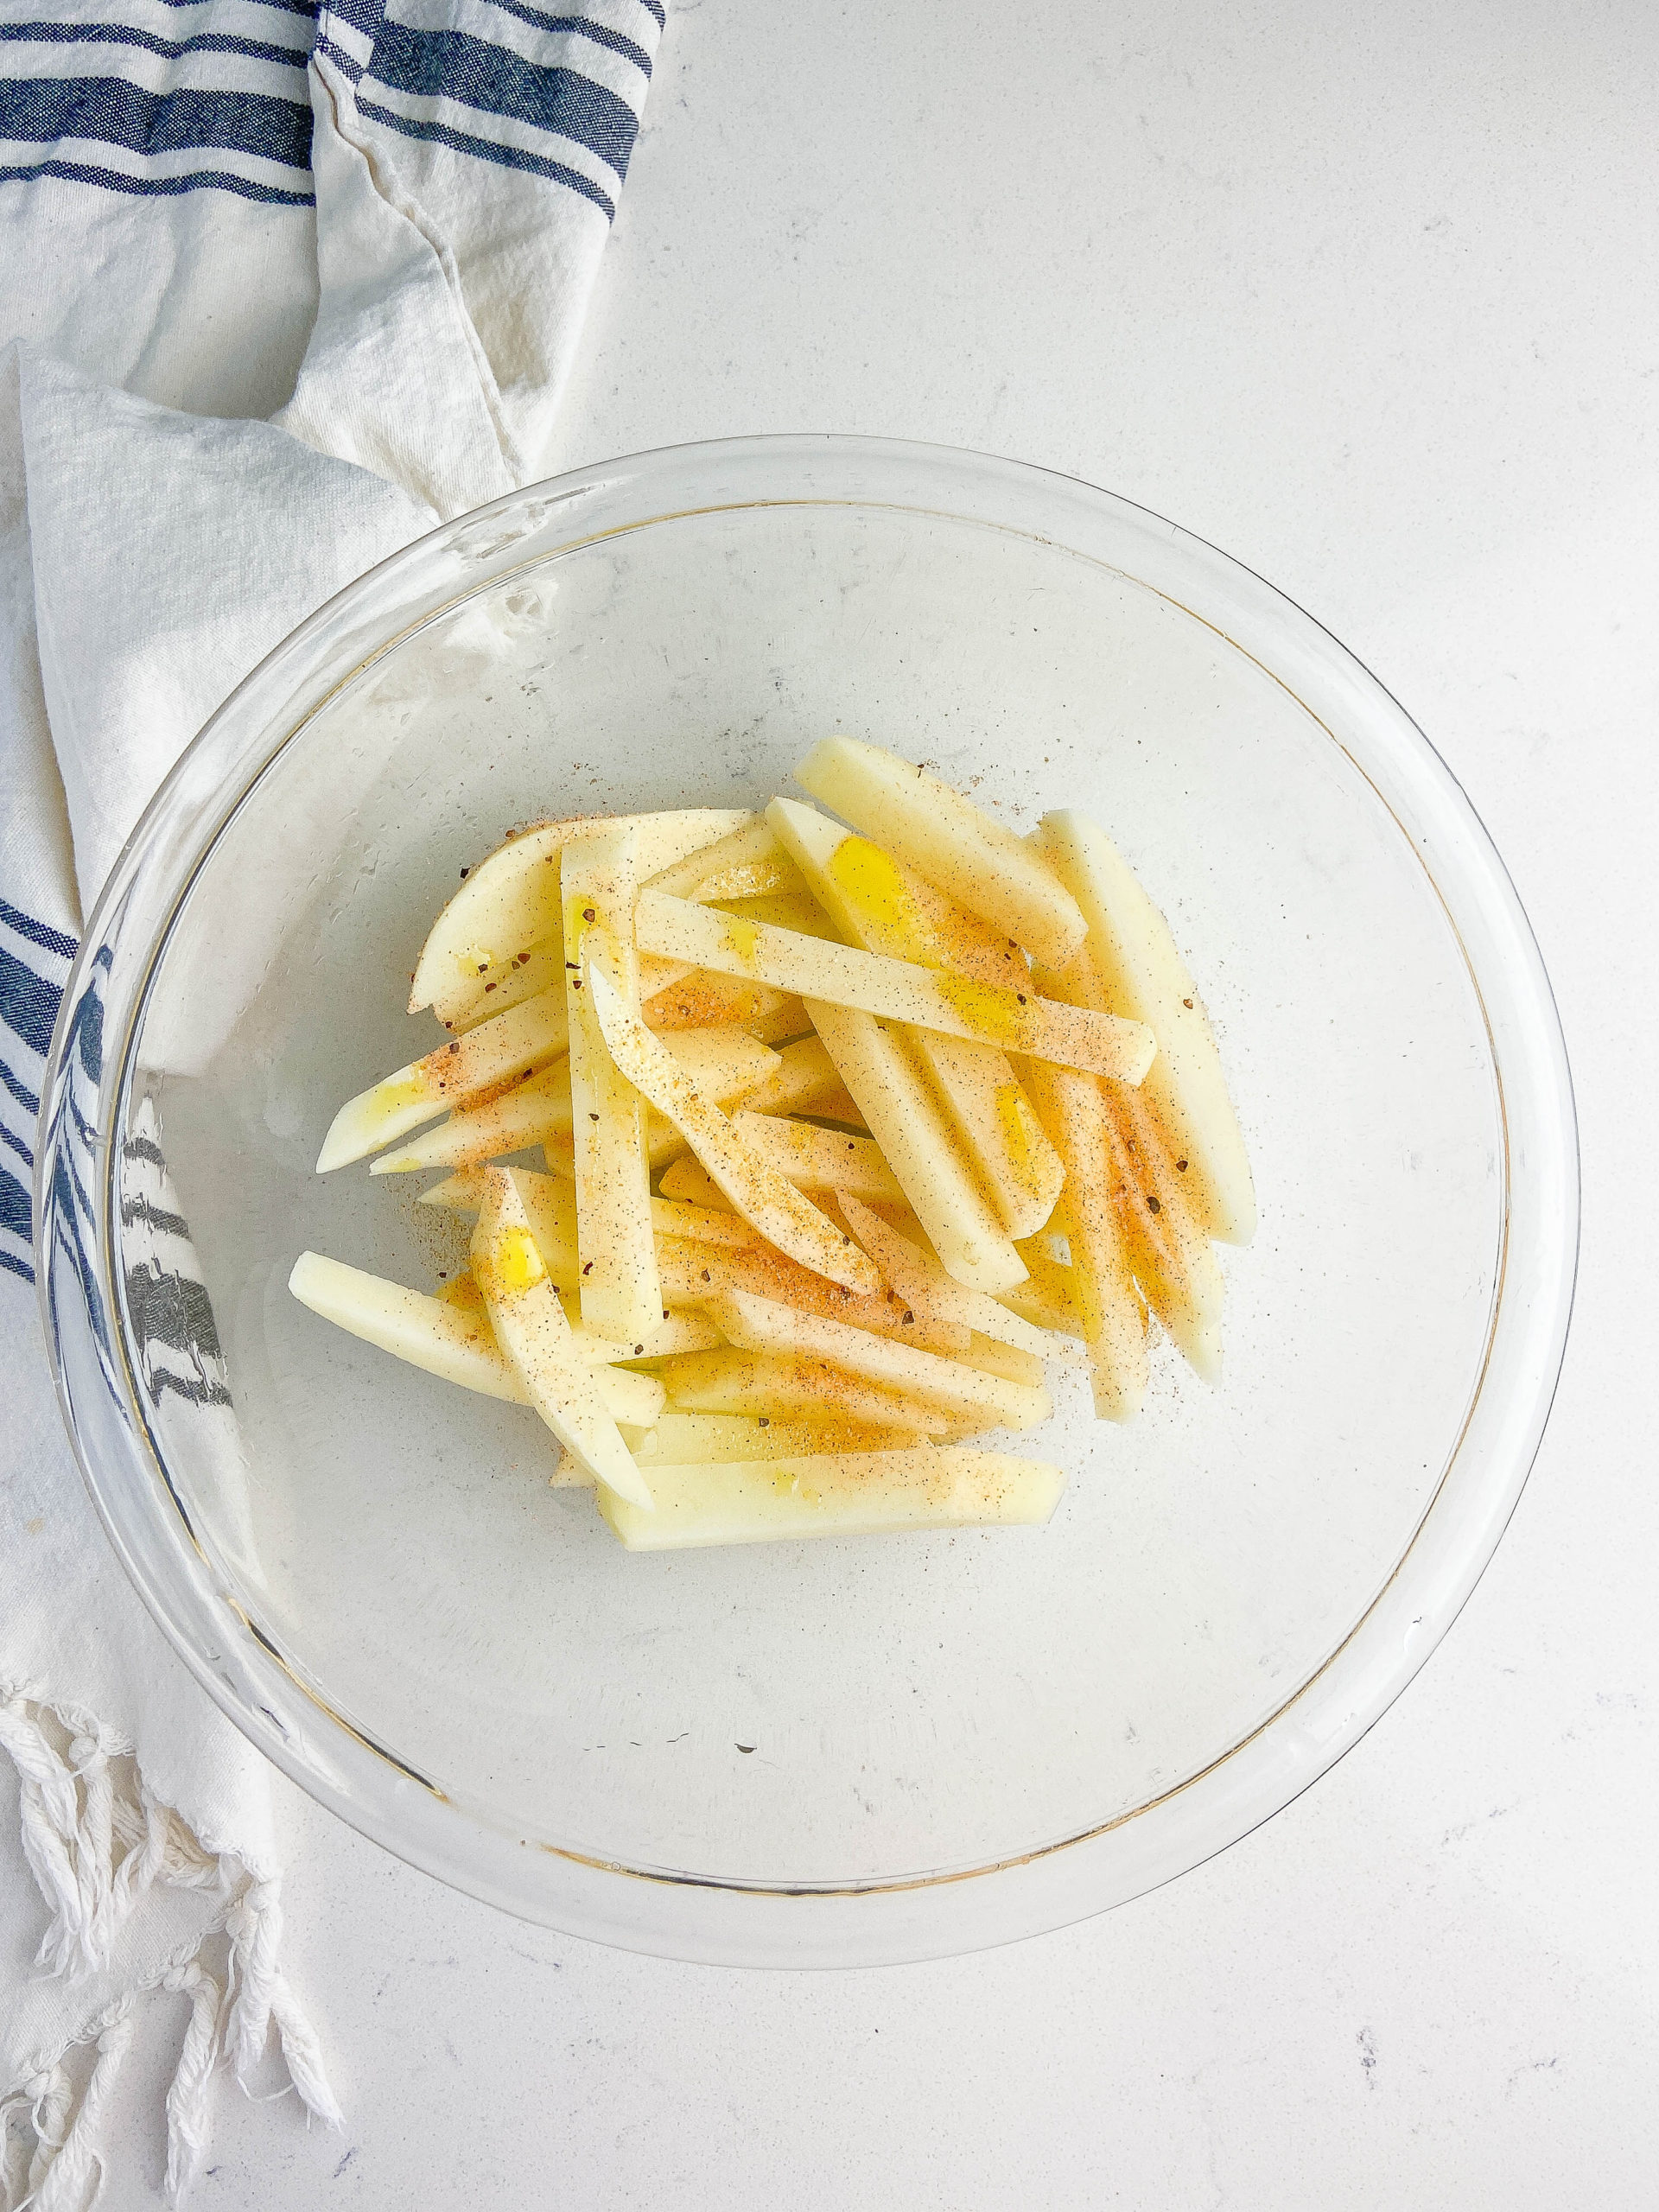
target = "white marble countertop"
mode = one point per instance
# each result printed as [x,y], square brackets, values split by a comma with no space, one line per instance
[1365,297]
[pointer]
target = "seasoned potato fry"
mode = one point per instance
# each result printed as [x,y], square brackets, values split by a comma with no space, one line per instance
[531,1329]
[1133,954]
[762,1324]
[894,990]
[907,1123]
[733,1382]
[845,1494]
[754,1187]
[509,906]
[946,838]
[692,1272]
[819,1160]
[1074,1113]
[886,908]
[497,1053]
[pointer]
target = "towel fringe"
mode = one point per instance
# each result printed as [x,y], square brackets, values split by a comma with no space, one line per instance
[97,1843]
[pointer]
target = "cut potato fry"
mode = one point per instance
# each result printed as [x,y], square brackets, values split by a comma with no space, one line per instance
[702,1225]
[996,1356]
[1046,1298]
[731,1382]
[919,1280]
[686,1179]
[1074,1113]
[806,1081]
[1140,973]
[699,1000]
[450,1336]
[1173,1260]
[526,975]
[689,1439]
[761,1324]
[498,1052]
[675,1334]
[529,1113]
[819,1160]
[537,1111]
[848,1494]
[621,1296]
[755,1188]
[531,1329]
[894,990]
[883,907]
[745,863]
[797,910]
[946,838]
[435,1334]
[693,1272]
[908,1125]
[505,906]
[509,906]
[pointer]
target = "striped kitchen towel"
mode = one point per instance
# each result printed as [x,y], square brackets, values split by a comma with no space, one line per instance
[287,287]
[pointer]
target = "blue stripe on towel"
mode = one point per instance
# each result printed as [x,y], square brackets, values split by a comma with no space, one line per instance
[21,1091]
[155,187]
[452,65]
[28,1004]
[510,157]
[116,113]
[579,26]
[25,925]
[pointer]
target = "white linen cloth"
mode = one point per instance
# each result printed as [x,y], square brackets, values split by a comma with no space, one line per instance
[287,289]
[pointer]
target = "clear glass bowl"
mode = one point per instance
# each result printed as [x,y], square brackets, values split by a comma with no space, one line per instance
[844,1751]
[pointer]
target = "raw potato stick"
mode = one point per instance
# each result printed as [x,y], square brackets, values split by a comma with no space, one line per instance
[755,1188]
[498,1052]
[1174,1261]
[431,1333]
[697,998]
[762,1324]
[921,1283]
[509,906]
[728,1061]
[893,990]
[621,1296]
[764,1384]
[529,1113]
[1140,973]
[454,1342]
[692,1273]
[1114,1328]
[849,1494]
[818,1160]
[684,1440]
[744,864]
[884,908]
[806,1081]
[946,838]
[909,1126]
[531,1329]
